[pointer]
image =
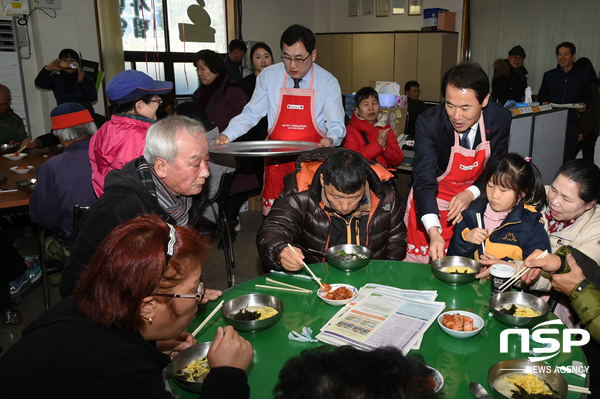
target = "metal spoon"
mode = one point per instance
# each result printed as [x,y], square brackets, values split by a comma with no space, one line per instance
[479,391]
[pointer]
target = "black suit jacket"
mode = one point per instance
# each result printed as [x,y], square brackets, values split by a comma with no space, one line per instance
[434,138]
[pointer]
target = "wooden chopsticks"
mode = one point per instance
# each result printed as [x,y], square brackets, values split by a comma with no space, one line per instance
[520,274]
[197,330]
[577,389]
[310,271]
[286,287]
[480,225]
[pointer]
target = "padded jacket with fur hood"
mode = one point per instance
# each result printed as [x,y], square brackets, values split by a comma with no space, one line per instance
[508,83]
[299,217]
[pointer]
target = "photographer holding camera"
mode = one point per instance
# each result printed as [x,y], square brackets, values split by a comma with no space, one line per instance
[67,80]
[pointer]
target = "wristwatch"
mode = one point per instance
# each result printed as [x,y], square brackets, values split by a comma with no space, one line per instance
[330,139]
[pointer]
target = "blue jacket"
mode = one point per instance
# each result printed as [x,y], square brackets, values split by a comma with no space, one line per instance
[62,181]
[517,237]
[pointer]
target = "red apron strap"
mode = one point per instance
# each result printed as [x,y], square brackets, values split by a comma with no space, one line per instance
[464,167]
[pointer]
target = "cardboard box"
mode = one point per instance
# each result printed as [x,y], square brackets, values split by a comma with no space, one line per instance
[430,16]
[446,20]
[255,203]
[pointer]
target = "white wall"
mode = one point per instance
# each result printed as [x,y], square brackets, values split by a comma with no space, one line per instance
[339,21]
[74,27]
[538,26]
[265,20]
[498,26]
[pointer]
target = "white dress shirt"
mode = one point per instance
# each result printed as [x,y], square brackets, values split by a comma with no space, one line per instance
[431,219]
[329,109]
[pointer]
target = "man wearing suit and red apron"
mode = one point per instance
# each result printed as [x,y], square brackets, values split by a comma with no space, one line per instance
[453,143]
[303,102]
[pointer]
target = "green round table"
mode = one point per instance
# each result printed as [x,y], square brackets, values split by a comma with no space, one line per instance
[459,361]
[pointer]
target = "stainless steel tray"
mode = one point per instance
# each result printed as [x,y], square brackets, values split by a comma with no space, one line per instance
[267,148]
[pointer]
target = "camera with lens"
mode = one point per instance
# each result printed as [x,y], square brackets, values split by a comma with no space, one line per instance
[68,65]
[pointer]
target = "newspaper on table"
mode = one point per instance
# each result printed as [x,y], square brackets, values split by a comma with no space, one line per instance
[366,290]
[383,316]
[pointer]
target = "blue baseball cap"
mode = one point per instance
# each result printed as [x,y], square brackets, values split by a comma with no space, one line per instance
[132,85]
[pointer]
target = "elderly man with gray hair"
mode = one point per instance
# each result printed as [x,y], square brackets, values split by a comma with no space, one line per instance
[163,181]
[12,128]
[64,180]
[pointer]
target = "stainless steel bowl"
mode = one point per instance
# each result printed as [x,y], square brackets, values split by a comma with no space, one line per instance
[519,299]
[56,148]
[437,377]
[236,304]
[3,179]
[27,186]
[8,148]
[185,357]
[450,261]
[551,376]
[348,265]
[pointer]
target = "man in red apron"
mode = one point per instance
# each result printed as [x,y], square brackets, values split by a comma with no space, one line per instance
[302,102]
[453,143]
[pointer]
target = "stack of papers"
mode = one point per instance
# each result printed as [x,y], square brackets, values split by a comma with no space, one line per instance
[383,316]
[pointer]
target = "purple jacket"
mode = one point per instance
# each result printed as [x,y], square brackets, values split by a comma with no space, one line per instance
[62,181]
[227,102]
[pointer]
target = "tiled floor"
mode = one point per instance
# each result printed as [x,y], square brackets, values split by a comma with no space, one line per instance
[248,266]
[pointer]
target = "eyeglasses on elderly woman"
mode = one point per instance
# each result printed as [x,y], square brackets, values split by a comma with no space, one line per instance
[199,294]
[168,255]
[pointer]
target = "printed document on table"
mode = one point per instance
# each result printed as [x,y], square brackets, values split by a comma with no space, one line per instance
[385,290]
[382,320]
[367,289]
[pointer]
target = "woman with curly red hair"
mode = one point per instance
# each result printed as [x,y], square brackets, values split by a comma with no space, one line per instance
[115,336]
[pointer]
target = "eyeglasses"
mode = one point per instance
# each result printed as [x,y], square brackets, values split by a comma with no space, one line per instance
[298,61]
[168,254]
[158,100]
[199,294]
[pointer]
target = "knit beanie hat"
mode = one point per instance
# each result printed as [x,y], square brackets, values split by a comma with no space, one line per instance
[68,115]
[517,50]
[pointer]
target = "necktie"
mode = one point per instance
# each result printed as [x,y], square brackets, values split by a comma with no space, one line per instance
[297,83]
[464,141]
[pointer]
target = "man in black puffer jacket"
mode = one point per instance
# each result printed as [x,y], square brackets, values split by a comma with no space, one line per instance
[333,197]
